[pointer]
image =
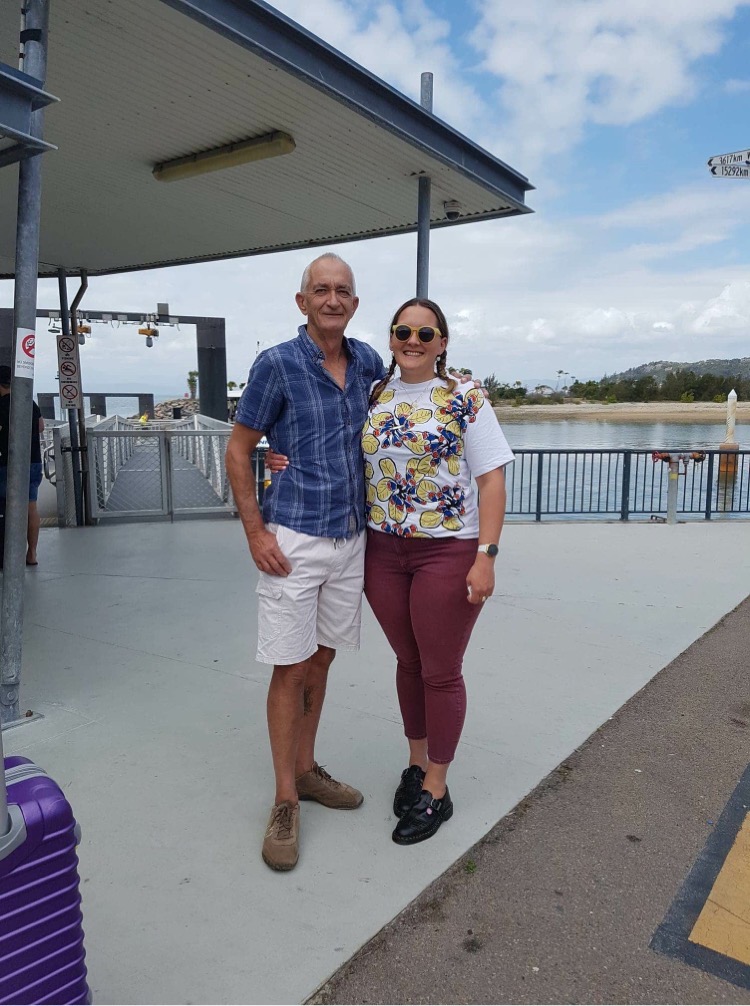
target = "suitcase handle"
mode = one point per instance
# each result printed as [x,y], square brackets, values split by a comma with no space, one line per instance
[16,834]
[6,825]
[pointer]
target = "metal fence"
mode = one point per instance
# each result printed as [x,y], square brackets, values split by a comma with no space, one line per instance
[176,468]
[153,470]
[159,469]
[58,465]
[625,484]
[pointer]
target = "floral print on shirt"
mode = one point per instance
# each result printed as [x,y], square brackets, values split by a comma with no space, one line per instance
[414,496]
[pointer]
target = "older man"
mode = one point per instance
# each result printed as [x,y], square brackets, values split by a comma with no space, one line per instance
[309,397]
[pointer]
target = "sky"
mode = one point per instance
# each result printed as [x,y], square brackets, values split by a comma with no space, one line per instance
[634,253]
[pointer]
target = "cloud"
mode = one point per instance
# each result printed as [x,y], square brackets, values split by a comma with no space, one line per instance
[562,65]
[735,86]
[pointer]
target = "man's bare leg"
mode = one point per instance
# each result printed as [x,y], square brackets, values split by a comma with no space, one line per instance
[285,711]
[314,695]
[32,533]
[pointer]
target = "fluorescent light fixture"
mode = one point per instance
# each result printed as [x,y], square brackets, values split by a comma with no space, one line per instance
[229,156]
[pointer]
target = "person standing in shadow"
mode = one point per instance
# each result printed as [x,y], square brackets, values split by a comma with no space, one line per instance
[35,464]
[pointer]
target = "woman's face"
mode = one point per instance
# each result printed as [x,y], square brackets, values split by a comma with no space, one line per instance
[416,359]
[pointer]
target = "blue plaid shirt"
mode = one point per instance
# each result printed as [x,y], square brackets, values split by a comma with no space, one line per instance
[306,415]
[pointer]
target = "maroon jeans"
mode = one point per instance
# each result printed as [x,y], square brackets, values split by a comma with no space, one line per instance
[417,589]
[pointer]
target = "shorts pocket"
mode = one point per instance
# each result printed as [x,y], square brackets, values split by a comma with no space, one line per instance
[269,586]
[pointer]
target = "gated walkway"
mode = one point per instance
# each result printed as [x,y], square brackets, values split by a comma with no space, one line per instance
[139,484]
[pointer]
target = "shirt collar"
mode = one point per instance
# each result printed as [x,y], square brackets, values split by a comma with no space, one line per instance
[313,350]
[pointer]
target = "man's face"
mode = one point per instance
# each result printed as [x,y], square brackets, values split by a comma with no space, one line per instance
[329,301]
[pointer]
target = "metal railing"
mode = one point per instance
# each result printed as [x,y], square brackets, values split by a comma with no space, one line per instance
[161,469]
[624,484]
[177,468]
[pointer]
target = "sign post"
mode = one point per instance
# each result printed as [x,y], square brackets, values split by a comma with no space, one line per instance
[734,165]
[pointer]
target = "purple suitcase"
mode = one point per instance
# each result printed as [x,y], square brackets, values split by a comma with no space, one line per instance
[41,936]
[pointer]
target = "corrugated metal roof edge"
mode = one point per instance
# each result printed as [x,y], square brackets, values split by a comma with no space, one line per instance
[49,269]
[279,40]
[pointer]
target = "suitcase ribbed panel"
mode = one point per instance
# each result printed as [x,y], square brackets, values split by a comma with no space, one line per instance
[41,933]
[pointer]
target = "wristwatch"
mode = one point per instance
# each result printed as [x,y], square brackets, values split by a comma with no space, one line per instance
[490,550]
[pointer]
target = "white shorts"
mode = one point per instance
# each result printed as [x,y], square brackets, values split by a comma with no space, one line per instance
[318,604]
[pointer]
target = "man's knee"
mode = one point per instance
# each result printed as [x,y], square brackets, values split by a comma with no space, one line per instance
[323,658]
[291,676]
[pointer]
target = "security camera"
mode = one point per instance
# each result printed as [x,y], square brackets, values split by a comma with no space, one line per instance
[452,209]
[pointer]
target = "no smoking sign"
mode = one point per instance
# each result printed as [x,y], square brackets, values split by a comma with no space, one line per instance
[25,343]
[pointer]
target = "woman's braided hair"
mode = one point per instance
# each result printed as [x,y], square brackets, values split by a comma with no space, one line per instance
[442,324]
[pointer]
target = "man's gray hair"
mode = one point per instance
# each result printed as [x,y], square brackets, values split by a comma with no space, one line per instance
[326,255]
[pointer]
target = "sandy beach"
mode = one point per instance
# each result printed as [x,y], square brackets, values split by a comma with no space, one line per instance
[627,412]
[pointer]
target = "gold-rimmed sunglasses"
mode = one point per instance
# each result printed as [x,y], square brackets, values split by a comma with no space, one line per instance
[425,333]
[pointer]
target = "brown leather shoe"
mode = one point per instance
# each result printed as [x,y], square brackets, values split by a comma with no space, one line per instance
[319,786]
[281,844]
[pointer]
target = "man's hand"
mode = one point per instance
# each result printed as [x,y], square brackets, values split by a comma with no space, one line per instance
[465,378]
[267,555]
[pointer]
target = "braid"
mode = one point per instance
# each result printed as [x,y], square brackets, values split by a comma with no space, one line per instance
[442,372]
[380,386]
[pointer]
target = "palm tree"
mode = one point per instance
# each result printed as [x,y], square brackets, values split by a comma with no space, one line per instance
[192,382]
[231,385]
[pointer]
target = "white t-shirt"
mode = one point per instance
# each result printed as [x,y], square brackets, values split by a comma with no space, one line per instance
[422,445]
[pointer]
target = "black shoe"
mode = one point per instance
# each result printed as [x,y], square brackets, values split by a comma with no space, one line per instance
[424,819]
[408,790]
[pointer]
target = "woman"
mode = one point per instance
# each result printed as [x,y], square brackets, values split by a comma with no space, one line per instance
[431,545]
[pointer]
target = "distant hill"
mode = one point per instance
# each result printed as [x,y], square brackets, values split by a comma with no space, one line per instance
[659,369]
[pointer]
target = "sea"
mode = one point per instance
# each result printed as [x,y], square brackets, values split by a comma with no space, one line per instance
[125,406]
[607,434]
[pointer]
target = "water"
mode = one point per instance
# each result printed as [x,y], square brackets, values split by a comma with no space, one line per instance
[603,434]
[592,485]
[125,406]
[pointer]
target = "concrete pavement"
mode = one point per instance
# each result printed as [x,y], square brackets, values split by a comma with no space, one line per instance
[138,651]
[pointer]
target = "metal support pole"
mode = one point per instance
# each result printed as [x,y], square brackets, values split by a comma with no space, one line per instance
[79,413]
[673,485]
[75,451]
[34,41]
[423,205]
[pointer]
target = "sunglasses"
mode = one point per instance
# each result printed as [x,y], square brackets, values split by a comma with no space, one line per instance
[426,333]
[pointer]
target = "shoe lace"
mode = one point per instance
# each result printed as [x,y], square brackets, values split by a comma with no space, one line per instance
[282,821]
[319,771]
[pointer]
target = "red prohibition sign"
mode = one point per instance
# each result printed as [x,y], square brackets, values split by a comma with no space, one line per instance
[68,368]
[27,344]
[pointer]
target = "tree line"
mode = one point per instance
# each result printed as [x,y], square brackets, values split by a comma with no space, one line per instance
[677,386]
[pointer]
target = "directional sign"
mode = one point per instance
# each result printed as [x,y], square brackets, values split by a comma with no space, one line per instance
[738,157]
[731,171]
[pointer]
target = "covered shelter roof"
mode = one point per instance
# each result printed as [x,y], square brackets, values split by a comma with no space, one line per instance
[148,83]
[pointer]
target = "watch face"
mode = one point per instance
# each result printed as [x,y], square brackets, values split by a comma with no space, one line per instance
[492,550]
